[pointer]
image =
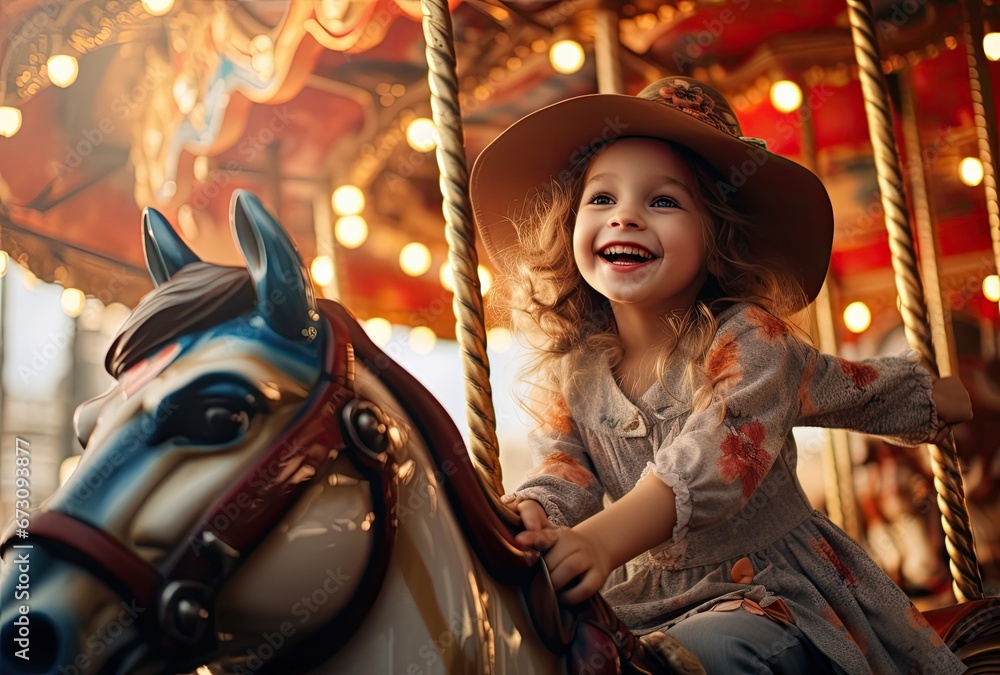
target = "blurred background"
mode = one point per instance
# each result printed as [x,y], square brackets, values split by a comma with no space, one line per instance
[322,109]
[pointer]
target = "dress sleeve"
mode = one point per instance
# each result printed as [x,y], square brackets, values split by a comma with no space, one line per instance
[562,479]
[888,396]
[722,453]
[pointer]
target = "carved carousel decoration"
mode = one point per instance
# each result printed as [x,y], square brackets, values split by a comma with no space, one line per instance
[264,489]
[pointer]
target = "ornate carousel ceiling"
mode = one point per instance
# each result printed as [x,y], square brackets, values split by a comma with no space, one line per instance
[293,98]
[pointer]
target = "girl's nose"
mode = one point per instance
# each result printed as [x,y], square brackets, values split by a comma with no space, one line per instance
[626,217]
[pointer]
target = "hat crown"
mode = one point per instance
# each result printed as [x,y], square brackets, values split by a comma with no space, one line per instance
[695,99]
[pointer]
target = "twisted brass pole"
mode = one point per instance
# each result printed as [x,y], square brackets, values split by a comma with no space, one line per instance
[967,583]
[983,114]
[461,236]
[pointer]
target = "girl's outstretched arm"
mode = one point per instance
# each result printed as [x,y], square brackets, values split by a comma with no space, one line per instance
[587,553]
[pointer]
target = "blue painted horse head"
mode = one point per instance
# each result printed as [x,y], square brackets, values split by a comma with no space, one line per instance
[263,491]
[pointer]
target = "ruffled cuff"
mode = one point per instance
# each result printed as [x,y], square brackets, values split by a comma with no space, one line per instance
[565,503]
[682,499]
[925,382]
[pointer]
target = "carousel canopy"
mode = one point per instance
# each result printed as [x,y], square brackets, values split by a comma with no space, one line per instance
[122,104]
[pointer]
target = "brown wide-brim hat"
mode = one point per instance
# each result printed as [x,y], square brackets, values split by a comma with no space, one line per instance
[789,207]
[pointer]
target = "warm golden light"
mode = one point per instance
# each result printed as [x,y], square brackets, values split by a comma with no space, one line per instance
[157,7]
[485,280]
[379,330]
[185,95]
[857,317]
[67,467]
[498,339]
[422,339]
[991,288]
[72,301]
[415,259]
[200,168]
[447,278]
[422,135]
[262,55]
[970,171]
[566,56]
[186,221]
[10,121]
[348,200]
[786,96]
[321,270]
[351,231]
[3,263]
[991,45]
[62,69]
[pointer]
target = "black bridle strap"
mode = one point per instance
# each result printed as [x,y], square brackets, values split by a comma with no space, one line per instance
[92,548]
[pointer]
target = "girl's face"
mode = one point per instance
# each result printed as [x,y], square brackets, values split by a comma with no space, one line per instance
[638,237]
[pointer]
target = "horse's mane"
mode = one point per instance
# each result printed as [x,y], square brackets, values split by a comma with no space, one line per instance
[196,297]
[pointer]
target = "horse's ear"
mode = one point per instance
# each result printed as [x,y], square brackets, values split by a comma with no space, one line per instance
[284,293]
[165,251]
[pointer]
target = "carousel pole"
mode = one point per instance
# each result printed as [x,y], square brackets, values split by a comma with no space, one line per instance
[967,583]
[983,113]
[461,236]
[923,224]
[607,50]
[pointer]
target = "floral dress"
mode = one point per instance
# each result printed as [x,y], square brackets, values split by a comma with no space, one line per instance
[732,469]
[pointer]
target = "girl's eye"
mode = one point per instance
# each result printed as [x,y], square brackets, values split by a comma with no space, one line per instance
[664,203]
[600,199]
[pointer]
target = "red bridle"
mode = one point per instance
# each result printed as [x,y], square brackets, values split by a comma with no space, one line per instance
[183,589]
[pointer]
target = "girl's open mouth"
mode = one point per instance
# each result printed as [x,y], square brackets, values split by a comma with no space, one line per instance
[626,255]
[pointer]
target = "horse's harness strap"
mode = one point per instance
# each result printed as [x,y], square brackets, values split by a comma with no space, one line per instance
[100,553]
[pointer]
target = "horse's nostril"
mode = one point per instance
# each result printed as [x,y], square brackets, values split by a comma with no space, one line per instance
[35,639]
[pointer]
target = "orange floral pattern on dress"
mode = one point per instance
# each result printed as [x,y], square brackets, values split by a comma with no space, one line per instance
[722,363]
[561,465]
[744,456]
[822,546]
[861,374]
[769,327]
[557,415]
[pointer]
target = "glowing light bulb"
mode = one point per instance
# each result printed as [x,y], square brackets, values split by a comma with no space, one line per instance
[991,288]
[415,259]
[498,339]
[786,96]
[157,7]
[422,135]
[970,171]
[351,231]
[991,45]
[321,270]
[857,317]
[422,339]
[72,301]
[10,121]
[447,277]
[62,69]
[566,56]
[379,330]
[485,280]
[348,200]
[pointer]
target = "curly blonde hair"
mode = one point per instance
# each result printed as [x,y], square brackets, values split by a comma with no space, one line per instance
[557,312]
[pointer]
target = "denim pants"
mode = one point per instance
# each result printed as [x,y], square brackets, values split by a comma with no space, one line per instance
[741,643]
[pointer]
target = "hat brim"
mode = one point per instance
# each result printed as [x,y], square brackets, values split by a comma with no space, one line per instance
[788,204]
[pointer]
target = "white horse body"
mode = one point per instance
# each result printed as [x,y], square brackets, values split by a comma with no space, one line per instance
[438,611]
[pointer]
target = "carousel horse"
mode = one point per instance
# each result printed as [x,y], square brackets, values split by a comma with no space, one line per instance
[264,491]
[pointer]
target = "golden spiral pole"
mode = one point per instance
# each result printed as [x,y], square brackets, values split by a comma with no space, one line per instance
[461,236]
[966,583]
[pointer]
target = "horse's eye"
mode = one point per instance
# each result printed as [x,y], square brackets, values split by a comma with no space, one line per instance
[206,420]
[221,424]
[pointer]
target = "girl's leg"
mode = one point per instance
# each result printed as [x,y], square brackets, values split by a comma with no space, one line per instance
[741,643]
